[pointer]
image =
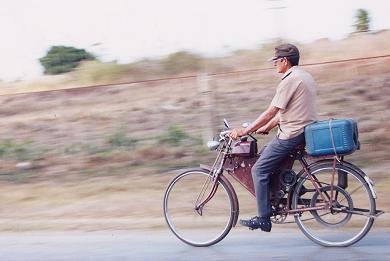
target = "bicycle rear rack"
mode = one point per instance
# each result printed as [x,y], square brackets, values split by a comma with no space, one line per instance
[360,211]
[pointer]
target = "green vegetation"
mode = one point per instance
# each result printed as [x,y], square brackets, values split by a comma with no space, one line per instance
[121,139]
[20,151]
[62,59]
[174,135]
[362,23]
[181,62]
[95,71]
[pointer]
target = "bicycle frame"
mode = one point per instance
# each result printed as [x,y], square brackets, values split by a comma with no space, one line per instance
[327,200]
[314,194]
[244,177]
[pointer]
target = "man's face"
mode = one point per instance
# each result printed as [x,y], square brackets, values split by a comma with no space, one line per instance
[281,65]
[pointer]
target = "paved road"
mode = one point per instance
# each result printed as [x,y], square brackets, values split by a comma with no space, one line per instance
[240,244]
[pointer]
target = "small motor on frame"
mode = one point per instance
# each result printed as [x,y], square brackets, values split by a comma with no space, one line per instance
[288,177]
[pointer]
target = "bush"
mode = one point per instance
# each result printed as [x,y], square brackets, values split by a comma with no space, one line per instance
[174,135]
[18,151]
[180,62]
[120,139]
[95,71]
[62,59]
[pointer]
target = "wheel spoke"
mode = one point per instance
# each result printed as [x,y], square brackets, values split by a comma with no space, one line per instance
[211,222]
[354,191]
[343,224]
[202,192]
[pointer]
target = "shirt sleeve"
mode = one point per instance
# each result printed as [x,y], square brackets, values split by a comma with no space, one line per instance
[284,93]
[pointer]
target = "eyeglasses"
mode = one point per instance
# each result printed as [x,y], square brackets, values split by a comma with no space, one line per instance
[278,60]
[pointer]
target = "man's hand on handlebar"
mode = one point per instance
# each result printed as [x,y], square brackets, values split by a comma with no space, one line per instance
[236,133]
[262,130]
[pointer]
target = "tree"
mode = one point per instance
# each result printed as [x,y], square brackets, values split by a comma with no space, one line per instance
[362,21]
[62,59]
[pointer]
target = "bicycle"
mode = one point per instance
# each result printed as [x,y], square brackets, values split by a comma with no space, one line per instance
[332,200]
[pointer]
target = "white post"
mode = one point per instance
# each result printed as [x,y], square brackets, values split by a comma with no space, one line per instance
[207,110]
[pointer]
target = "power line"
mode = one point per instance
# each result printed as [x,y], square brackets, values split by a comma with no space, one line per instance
[192,76]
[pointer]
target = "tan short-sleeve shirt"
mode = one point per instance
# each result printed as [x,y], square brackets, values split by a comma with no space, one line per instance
[296,98]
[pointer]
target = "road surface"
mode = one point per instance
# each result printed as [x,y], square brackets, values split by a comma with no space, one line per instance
[159,245]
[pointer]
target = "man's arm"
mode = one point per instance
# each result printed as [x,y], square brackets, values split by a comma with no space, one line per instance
[269,126]
[262,120]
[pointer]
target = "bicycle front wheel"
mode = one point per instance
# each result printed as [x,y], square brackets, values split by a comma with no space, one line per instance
[194,226]
[349,218]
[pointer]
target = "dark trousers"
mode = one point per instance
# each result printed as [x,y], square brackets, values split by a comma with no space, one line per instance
[274,153]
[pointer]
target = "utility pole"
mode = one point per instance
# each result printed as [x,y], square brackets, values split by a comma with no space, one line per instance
[277,6]
[207,110]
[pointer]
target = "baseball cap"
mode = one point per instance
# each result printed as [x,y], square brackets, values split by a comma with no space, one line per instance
[285,50]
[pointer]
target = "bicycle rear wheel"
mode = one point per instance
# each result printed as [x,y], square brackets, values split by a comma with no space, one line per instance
[348,220]
[203,227]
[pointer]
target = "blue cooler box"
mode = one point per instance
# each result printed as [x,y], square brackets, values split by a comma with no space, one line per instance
[319,139]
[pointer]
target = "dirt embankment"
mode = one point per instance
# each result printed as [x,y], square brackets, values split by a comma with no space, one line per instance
[100,157]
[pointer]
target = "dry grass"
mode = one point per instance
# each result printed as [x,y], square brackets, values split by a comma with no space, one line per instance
[79,180]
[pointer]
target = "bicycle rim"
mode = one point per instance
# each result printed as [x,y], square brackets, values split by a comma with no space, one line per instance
[329,227]
[180,199]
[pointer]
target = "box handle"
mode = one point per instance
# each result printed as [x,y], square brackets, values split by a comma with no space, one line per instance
[356,138]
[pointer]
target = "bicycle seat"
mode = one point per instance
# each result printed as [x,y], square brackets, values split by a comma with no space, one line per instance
[300,147]
[298,151]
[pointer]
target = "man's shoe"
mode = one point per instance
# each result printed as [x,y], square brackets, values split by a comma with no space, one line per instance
[264,223]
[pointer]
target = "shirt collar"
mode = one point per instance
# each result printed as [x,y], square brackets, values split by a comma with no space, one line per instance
[287,73]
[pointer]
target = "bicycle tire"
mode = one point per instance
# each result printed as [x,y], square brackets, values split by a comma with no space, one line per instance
[182,218]
[363,200]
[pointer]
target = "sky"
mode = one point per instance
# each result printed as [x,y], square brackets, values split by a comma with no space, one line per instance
[130,30]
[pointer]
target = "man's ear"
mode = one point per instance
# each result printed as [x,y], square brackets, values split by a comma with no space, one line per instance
[287,62]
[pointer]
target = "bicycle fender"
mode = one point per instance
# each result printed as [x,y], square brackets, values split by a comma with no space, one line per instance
[369,181]
[205,167]
[350,166]
[236,208]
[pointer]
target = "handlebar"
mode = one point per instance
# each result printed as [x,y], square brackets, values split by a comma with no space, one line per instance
[223,134]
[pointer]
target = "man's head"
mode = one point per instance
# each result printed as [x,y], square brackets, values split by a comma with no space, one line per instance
[286,56]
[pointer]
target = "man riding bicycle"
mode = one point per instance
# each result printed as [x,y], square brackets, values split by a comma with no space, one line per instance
[292,108]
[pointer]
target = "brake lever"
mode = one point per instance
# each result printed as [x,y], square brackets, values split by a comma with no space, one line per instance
[224,134]
[263,133]
[250,135]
